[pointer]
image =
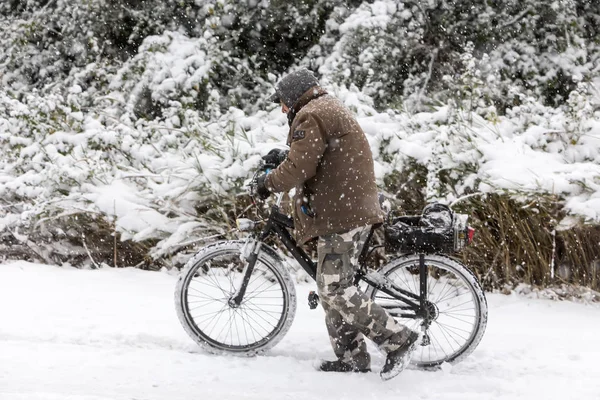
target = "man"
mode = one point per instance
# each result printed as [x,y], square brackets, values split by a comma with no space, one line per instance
[331,167]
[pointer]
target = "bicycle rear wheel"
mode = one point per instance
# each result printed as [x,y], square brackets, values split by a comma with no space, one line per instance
[210,280]
[455,300]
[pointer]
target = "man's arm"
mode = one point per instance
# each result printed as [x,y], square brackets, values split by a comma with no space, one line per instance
[306,149]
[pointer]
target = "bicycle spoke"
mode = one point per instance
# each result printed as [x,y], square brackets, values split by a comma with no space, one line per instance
[216,322]
[441,346]
[450,330]
[211,291]
[230,278]
[210,313]
[259,298]
[243,326]
[205,298]
[208,275]
[449,294]
[198,299]
[462,309]
[258,273]
[265,311]
[450,297]
[458,305]
[441,291]
[260,316]
[217,282]
[200,283]
[434,339]
[430,287]
[456,318]
[407,287]
[457,328]
[263,318]
[199,306]
[231,326]
[436,281]
[224,326]
[252,330]
[443,329]
[270,290]
[272,324]
[446,337]
[445,288]
[256,322]
[462,315]
[415,281]
[256,288]
[255,293]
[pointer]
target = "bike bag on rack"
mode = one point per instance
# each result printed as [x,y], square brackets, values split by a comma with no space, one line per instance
[437,230]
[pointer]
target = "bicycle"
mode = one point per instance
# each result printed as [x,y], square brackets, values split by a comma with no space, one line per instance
[237,297]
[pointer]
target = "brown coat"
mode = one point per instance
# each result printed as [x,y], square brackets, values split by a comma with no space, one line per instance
[331,166]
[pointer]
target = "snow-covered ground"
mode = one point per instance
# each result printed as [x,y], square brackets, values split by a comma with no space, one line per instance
[73,334]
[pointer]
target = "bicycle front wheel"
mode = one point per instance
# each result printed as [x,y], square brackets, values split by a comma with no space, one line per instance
[455,301]
[204,307]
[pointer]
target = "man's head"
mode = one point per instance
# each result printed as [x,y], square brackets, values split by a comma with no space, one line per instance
[292,86]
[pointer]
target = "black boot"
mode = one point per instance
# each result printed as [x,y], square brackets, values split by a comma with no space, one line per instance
[340,366]
[399,359]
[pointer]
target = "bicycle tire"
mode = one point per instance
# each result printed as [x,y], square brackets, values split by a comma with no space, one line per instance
[269,264]
[461,272]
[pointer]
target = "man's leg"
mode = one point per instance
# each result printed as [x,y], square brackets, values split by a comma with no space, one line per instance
[348,343]
[338,254]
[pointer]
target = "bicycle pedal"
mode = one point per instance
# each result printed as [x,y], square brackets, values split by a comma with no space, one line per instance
[313,300]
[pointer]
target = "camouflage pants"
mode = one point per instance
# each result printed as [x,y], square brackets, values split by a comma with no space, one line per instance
[349,314]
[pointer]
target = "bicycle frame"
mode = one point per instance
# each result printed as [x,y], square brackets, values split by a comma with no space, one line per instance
[278,224]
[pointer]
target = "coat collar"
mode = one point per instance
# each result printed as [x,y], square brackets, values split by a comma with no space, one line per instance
[307,97]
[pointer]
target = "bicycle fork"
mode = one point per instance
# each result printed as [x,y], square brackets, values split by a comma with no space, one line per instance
[250,255]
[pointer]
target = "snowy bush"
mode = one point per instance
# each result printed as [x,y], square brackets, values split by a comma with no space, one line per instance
[409,53]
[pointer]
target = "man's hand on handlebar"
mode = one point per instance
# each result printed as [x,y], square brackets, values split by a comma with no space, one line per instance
[261,190]
[275,157]
[270,161]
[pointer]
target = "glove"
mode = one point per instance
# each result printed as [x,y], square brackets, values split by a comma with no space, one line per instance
[275,157]
[261,190]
